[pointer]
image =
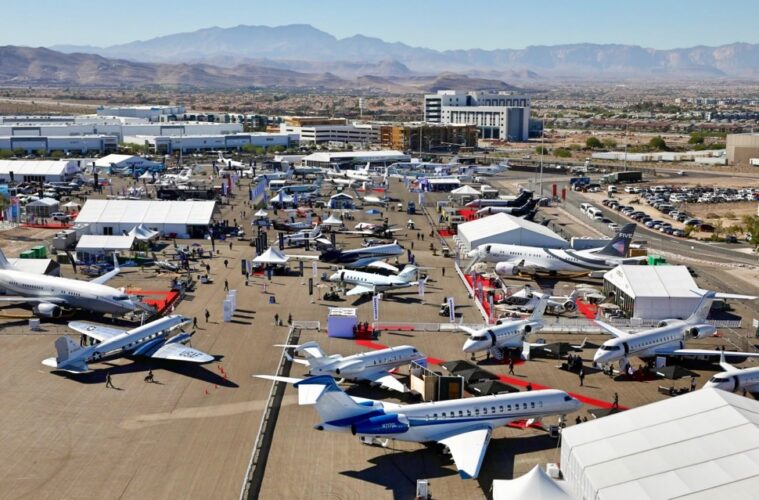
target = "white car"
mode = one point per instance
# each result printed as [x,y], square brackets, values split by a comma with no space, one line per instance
[614,226]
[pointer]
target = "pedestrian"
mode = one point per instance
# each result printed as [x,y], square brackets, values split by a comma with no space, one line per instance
[529,386]
[276,319]
[582,376]
[578,420]
[226,263]
[208,315]
[194,322]
[511,365]
[149,379]
[615,403]
[230,245]
[692,384]
[584,419]
[289,319]
[443,271]
[412,245]
[108,382]
[226,285]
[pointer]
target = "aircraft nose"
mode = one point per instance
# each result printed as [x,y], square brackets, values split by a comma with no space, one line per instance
[473,253]
[471,346]
[334,277]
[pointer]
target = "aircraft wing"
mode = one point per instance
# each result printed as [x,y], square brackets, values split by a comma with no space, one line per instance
[708,352]
[100,280]
[360,290]
[97,332]
[180,352]
[362,233]
[52,300]
[611,330]
[386,380]
[468,449]
[303,257]
[380,264]
[308,394]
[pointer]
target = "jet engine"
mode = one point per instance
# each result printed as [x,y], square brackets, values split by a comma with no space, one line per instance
[570,306]
[381,424]
[48,310]
[701,331]
[506,268]
[349,367]
[527,329]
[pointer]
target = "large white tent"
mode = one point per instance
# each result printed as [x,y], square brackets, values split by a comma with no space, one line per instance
[271,256]
[535,485]
[38,170]
[653,292]
[507,229]
[91,246]
[179,218]
[704,444]
[332,221]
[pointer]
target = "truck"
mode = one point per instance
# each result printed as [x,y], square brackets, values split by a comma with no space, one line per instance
[621,177]
[579,181]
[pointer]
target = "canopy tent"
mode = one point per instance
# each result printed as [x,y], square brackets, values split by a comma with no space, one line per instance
[71,206]
[466,190]
[42,207]
[90,246]
[332,221]
[535,485]
[261,213]
[271,256]
[143,234]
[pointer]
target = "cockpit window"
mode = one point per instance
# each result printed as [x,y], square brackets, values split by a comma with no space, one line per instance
[716,380]
[478,338]
[610,347]
[567,398]
[121,297]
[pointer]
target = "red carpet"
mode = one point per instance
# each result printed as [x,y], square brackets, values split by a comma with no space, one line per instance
[161,305]
[486,285]
[587,310]
[445,233]
[47,226]
[468,213]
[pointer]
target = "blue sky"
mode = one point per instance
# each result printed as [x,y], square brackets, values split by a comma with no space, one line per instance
[441,24]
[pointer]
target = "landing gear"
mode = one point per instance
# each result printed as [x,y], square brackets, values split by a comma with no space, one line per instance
[497,353]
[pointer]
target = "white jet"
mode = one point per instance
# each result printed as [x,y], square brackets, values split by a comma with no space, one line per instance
[372,366]
[52,295]
[525,300]
[370,283]
[734,379]
[667,339]
[516,259]
[300,238]
[229,163]
[506,334]
[463,426]
[151,340]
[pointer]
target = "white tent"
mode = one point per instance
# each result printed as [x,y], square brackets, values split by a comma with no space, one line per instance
[535,485]
[261,213]
[466,190]
[71,206]
[142,233]
[332,221]
[102,245]
[271,256]
[507,229]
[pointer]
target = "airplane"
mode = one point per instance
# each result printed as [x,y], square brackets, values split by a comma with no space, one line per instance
[525,301]
[668,338]
[360,174]
[228,163]
[734,379]
[150,340]
[525,209]
[520,200]
[516,259]
[301,237]
[182,177]
[463,426]
[167,266]
[374,230]
[53,294]
[505,334]
[361,257]
[372,366]
[291,226]
[372,283]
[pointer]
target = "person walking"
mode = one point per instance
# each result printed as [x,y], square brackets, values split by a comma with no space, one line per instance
[529,386]
[289,319]
[194,322]
[511,365]
[226,263]
[208,315]
[692,384]
[226,285]
[581,374]
[149,379]
[615,403]
[108,382]
[276,319]
[443,271]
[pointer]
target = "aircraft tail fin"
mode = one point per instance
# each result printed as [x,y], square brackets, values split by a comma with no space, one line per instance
[540,308]
[66,348]
[332,403]
[702,310]
[620,244]
[4,264]
[408,272]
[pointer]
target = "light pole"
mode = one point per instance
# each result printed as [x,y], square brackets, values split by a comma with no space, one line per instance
[542,151]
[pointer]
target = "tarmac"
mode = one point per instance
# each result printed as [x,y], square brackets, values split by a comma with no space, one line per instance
[191,434]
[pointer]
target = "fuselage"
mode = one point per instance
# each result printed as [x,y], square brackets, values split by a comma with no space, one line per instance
[368,362]
[361,278]
[734,381]
[546,258]
[76,294]
[361,256]
[508,335]
[643,345]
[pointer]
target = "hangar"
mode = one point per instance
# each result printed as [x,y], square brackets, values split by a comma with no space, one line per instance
[38,170]
[181,219]
[652,292]
[506,229]
[703,444]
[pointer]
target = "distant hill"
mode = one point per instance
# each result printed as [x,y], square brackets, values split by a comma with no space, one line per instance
[304,48]
[40,66]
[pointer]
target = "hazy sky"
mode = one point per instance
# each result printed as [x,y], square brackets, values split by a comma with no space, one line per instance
[439,24]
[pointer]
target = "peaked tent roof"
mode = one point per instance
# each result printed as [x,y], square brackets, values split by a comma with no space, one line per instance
[535,485]
[271,256]
[142,233]
[261,213]
[332,221]
[466,189]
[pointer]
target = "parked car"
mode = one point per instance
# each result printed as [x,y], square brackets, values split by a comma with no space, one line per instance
[60,216]
[614,226]
[679,233]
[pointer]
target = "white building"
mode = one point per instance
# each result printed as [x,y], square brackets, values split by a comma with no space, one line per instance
[652,292]
[38,170]
[498,115]
[704,444]
[114,217]
[174,142]
[150,113]
[326,158]
[339,130]
[67,143]
[506,229]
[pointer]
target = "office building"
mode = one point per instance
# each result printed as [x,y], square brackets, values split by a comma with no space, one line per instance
[78,144]
[205,142]
[427,137]
[316,130]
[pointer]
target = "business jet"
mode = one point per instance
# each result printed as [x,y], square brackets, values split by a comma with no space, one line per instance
[360,257]
[371,283]
[525,300]
[516,259]
[150,340]
[228,163]
[302,237]
[505,334]
[517,211]
[734,379]
[667,339]
[374,230]
[372,366]
[520,200]
[360,174]
[52,295]
[463,426]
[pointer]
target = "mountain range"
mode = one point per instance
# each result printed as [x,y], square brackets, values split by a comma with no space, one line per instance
[304,48]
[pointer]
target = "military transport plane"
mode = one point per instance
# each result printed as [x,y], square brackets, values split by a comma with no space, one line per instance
[372,366]
[667,339]
[365,283]
[150,340]
[52,295]
[463,426]
[516,259]
[506,334]
[734,379]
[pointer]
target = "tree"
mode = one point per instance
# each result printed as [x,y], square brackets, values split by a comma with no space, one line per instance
[57,154]
[751,226]
[696,138]
[248,148]
[658,143]
[541,150]
[562,153]
[593,143]
[610,143]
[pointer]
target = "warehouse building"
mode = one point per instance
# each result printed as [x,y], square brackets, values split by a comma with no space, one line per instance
[79,144]
[704,444]
[328,159]
[181,219]
[506,229]
[317,130]
[185,143]
[652,292]
[37,170]
[497,115]
[742,148]
[150,113]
